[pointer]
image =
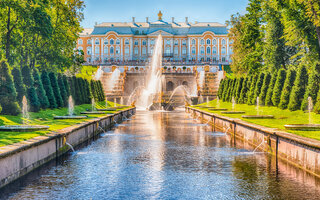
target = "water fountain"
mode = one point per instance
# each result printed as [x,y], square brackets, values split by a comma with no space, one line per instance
[258,116]
[305,127]
[186,97]
[233,108]
[71,114]
[25,127]
[108,108]
[93,109]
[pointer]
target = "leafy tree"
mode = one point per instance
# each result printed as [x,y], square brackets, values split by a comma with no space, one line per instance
[264,88]
[298,89]
[8,92]
[48,89]
[313,87]
[285,94]
[268,100]
[32,96]
[43,99]
[278,87]
[257,89]
[19,85]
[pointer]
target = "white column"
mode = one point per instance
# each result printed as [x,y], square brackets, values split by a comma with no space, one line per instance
[101,50]
[188,48]
[121,48]
[198,45]
[131,48]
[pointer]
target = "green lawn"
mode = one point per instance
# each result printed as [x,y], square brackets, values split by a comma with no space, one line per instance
[45,117]
[282,117]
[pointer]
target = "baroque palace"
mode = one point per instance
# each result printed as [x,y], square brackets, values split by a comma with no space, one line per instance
[134,41]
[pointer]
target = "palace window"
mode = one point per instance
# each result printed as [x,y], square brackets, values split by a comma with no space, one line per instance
[208,41]
[193,50]
[184,42]
[126,50]
[105,41]
[80,41]
[144,42]
[126,41]
[97,50]
[168,42]
[111,41]
[105,51]
[89,41]
[208,59]
[230,50]
[223,59]
[202,50]
[89,50]
[117,50]
[231,42]
[176,50]
[223,42]
[136,50]
[136,42]
[193,41]
[97,41]
[117,41]
[151,51]
[144,50]
[202,41]
[111,49]
[80,48]
[214,41]
[152,42]
[168,51]
[176,42]
[214,50]
[208,50]
[223,50]
[184,50]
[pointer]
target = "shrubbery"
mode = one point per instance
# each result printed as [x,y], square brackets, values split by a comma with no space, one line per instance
[298,89]
[278,87]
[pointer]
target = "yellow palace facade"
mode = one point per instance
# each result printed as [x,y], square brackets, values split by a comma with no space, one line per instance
[134,41]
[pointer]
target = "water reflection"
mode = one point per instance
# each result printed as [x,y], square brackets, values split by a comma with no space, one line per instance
[165,155]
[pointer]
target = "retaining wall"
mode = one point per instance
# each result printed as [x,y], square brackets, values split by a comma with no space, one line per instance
[299,151]
[20,158]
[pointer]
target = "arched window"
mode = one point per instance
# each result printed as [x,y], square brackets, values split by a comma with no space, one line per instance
[202,41]
[144,50]
[105,41]
[193,50]
[176,42]
[223,50]
[201,50]
[89,50]
[126,50]
[168,51]
[126,41]
[151,51]
[185,83]
[80,42]
[144,42]
[230,50]
[97,50]
[111,49]
[80,48]
[97,41]
[117,41]
[214,41]
[136,50]
[176,50]
[111,42]
[168,42]
[184,50]
[214,50]
[223,59]
[117,50]
[208,41]
[223,42]
[193,41]
[184,42]
[152,42]
[136,42]
[170,86]
[89,41]
[105,51]
[208,50]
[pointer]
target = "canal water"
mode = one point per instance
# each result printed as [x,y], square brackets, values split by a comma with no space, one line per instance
[164,155]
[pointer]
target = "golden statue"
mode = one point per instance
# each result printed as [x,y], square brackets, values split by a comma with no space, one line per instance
[159,15]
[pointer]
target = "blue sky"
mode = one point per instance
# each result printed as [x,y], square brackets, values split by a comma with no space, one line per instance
[197,10]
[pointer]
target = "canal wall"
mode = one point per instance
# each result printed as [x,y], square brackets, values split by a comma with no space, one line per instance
[20,158]
[299,151]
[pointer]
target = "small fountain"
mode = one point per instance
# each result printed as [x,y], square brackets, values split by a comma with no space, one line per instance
[305,127]
[233,108]
[258,116]
[25,121]
[108,108]
[71,114]
[93,109]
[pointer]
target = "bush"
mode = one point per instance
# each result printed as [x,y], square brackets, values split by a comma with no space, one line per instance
[48,89]
[268,101]
[252,88]
[221,85]
[257,89]
[66,85]
[285,94]
[312,88]
[89,96]
[225,89]
[102,96]
[62,88]
[230,89]
[278,87]
[32,96]
[56,89]
[8,92]
[43,99]
[235,87]
[19,85]
[239,87]
[243,92]
[264,88]
[298,89]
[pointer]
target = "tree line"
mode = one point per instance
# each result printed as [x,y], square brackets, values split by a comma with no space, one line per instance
[286,89]
[43,89]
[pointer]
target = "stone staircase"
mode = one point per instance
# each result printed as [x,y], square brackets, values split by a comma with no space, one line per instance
[210,86]
[118,88]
